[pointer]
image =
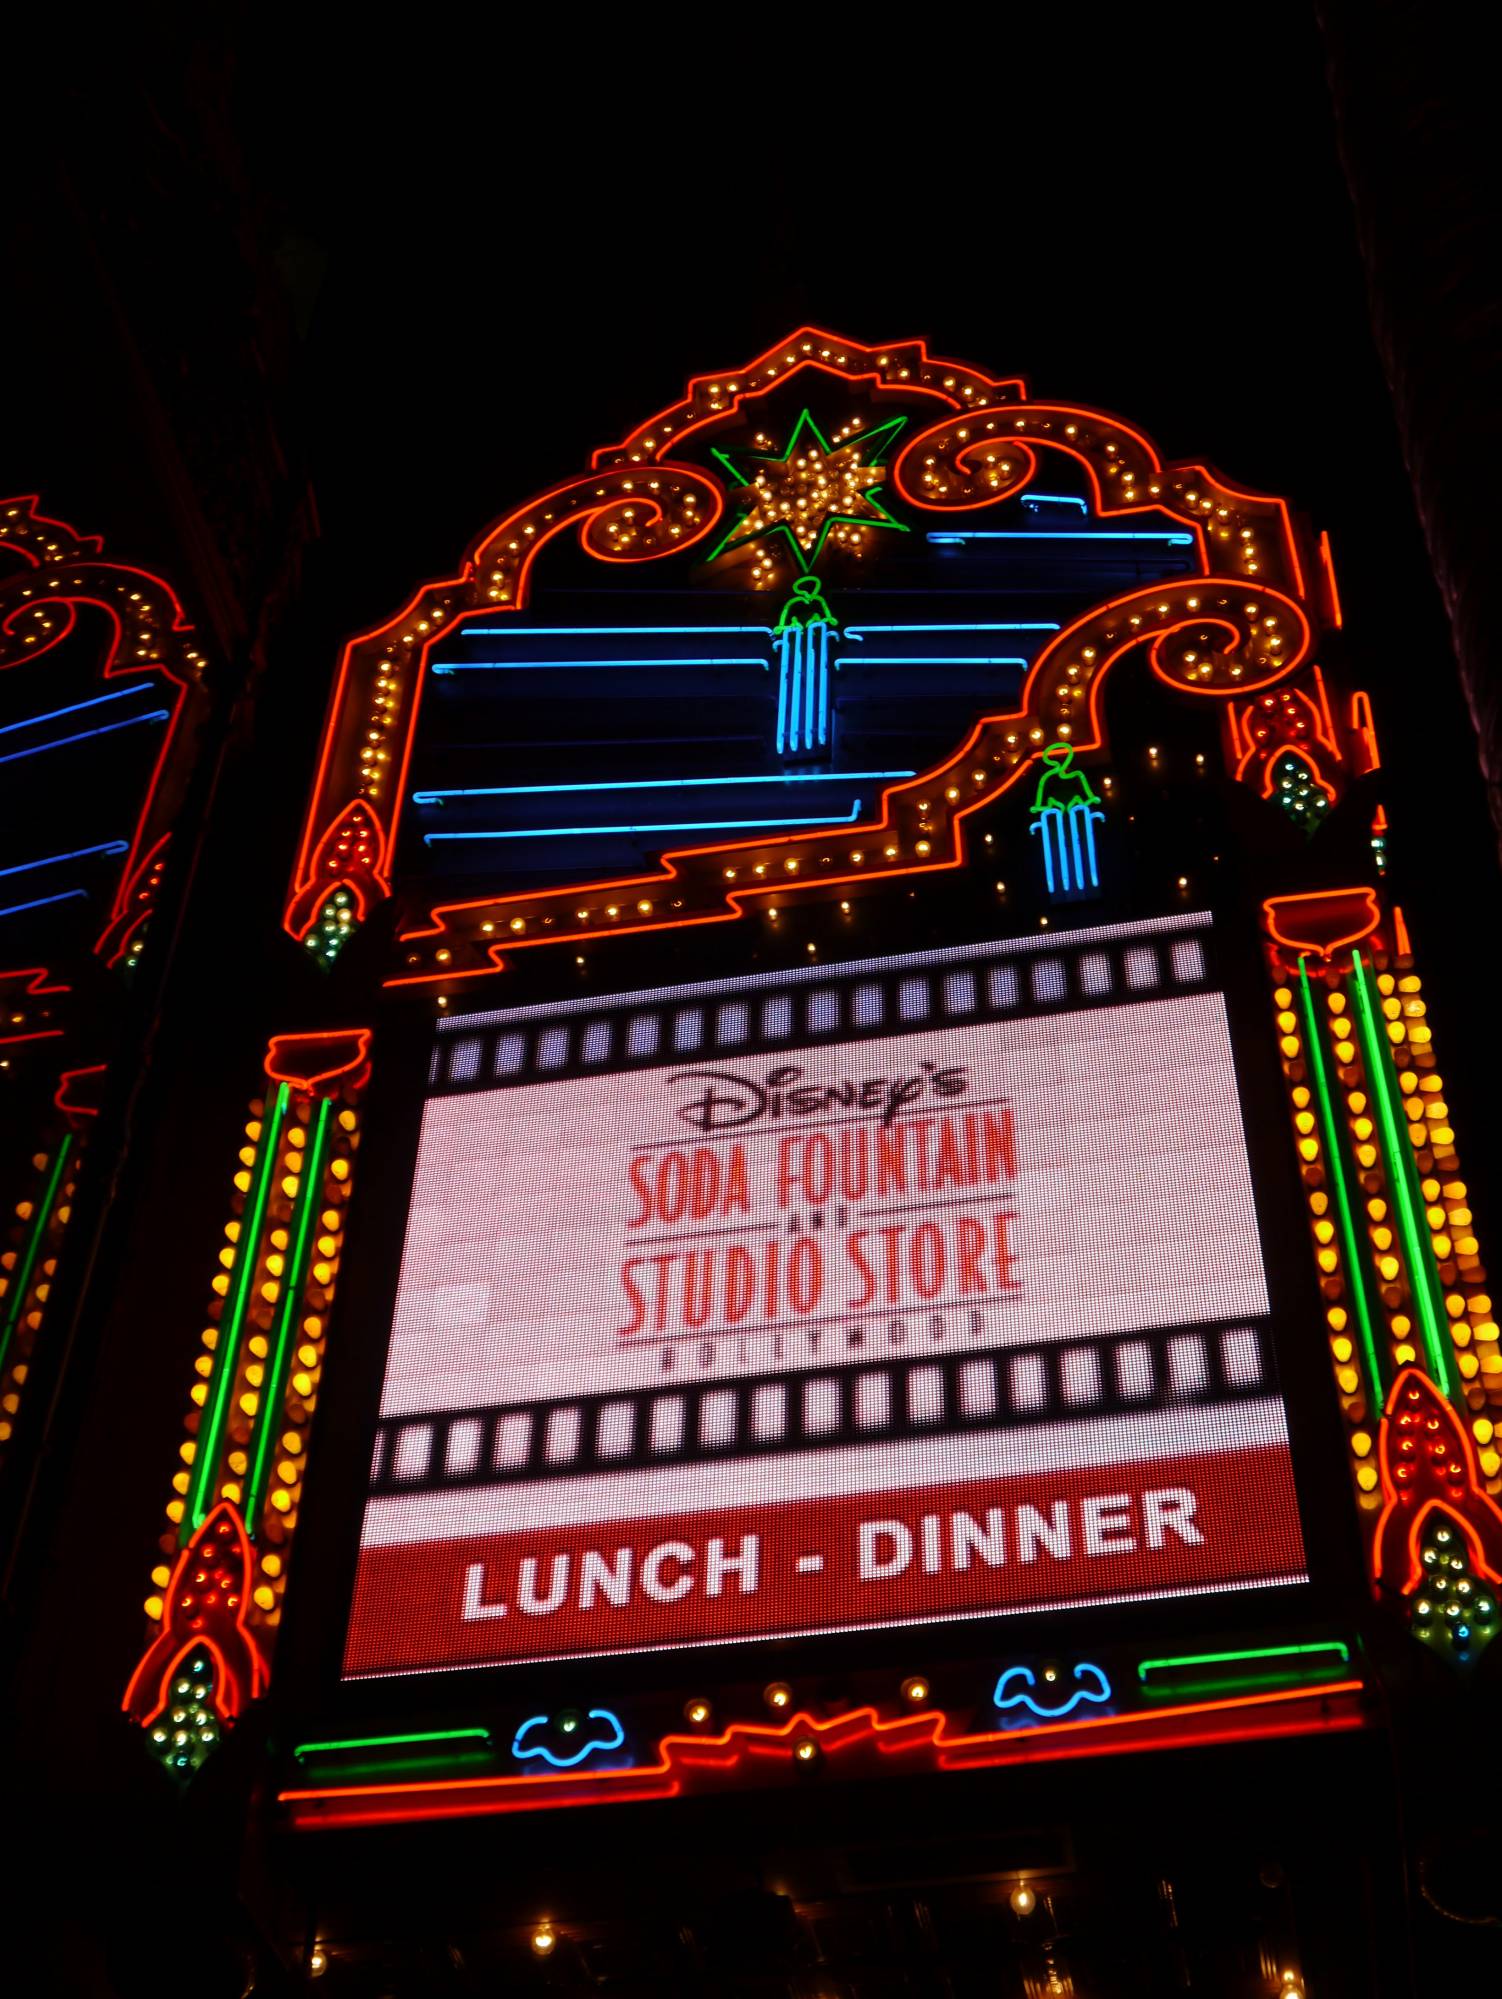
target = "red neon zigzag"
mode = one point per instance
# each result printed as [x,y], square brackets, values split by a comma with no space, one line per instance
[1095,1735]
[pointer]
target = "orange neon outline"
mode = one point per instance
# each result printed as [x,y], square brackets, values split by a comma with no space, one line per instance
[70,1075]
[1273,903]
[1402,947]
[359,1035]
[1327,561]
[1091,1735]
[708,402]
[236,1694]
[1304,757]
[1394,1499]
[1364,727]
[1028,713]
[1028,441]
[1246,749]
[687,412]
[79,572]
[584,487]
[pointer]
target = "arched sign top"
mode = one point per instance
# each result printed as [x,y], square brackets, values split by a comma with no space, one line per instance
[765,509]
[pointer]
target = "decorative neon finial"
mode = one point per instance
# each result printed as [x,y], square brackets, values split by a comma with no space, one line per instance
[1066,811]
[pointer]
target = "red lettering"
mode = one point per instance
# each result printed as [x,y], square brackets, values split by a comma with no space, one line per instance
[868,1276]
[740,1283]
[1001,1144]
[928,1259]
[735,1181]
[672,1186]
[892,1237]
[638,1303]
[1005,1281]
[805,1274]
[639,1173]
[971,1249]
[818,1168]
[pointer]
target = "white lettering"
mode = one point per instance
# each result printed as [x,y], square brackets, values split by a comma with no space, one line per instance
[1034,1531]
[1170,1507]
[965,1534]
[475,1606]
[1108,1525]
[526,1586]
[874,1567]
[746,1565]
[595,1573]
[933,1552]
[651,1571]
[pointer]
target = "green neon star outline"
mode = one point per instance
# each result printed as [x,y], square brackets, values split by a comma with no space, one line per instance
[884,437]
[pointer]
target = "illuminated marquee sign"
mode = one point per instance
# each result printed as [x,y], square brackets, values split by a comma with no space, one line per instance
[928,1287]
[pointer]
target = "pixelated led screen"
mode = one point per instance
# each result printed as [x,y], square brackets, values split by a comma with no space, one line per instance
[923,1288]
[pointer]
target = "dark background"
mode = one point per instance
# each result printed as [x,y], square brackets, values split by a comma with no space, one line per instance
[297,301]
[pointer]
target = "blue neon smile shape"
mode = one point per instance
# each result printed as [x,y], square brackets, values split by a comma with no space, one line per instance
[587,1748]
[1022,1678]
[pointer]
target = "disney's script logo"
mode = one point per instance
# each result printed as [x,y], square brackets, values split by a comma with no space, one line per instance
[728,1100]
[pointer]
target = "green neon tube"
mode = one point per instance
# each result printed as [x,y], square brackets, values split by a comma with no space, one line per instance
[1341,1656]
[231,1325]
[1356,1263]
[292,1282]
[1402,1177]
[391,1741]
[33,1248]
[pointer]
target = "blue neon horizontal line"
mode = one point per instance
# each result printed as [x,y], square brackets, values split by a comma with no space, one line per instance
[1063,534]
[672,826]
[922,659]
[654,784]
[77,707]
[596,631]
[1054,500]
[68,895]
[104,729]
[78,854]
[574,665]
[860,631]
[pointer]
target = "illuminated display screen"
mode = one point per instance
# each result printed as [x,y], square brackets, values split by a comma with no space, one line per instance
[923,1288]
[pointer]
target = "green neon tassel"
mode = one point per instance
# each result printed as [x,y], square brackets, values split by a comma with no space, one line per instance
[1356,1265]
[33,1248]
[267,1415]
[1403,1179]
[247,1254]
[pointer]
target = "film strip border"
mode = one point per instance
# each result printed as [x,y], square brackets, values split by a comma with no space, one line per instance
[820,1408]
[1008,981]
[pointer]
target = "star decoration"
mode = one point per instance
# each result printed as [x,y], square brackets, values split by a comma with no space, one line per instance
[811,489]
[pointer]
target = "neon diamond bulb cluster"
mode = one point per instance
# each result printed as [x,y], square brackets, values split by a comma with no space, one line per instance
[814,490]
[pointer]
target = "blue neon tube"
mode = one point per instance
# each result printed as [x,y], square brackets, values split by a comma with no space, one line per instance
[860,631]
[78,854]
[920,659]
[104,729]
[1063,534]
[583,665]
[609,631]
[673,826]
[77,707]
[68,895]
[655,784]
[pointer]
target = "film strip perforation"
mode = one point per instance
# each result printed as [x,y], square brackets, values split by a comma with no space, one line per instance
[844,1004]
[822,1407]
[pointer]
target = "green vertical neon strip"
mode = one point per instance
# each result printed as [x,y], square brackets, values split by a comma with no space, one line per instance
[231,1325]
[1330,1132]
[33,1248]
[292,1283]
[1403,1178]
